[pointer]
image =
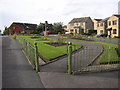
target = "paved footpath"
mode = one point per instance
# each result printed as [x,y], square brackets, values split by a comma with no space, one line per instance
[16,71]
[54,75]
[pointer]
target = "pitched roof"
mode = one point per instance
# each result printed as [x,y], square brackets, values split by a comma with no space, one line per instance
[98,19]
[117,15]
[26,26]
[82,19]
[103,20]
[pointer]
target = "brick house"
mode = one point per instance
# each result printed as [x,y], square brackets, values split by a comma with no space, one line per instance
[80,25]
[18,28]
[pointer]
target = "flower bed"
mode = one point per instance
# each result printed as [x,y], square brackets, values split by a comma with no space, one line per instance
[56,44]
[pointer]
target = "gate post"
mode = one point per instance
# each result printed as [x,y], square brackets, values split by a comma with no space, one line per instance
[36,58]
[69,63]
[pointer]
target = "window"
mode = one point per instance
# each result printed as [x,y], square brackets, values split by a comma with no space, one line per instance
[97,25]
[82,30]
[109,23]
[101,31]
[81,24]
[115,22]
[77,24]
[114,31]
[101,24]
[71,24]
[71,30]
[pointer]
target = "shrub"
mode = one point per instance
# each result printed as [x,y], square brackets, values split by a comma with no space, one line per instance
[14,36]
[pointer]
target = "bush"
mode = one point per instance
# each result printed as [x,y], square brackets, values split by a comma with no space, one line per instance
[116,37]
[14,36]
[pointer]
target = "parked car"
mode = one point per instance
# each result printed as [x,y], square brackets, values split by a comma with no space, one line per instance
[102,35]
[87,34]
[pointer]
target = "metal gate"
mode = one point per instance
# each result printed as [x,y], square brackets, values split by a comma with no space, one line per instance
[91,59]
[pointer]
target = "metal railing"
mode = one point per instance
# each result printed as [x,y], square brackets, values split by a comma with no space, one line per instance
[92,59]
[31,52]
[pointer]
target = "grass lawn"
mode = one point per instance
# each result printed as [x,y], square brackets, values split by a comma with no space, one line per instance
[109,55]
[47,51]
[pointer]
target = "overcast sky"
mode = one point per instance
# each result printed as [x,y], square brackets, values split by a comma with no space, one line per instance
[36,11]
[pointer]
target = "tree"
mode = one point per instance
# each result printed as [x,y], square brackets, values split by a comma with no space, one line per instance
[40,28]
[6,31]
[58,27]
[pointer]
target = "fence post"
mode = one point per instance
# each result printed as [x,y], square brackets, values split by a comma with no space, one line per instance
[36,58]
[69,71]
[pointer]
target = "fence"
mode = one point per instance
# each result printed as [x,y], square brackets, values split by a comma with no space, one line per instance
[31,52]
[92,59]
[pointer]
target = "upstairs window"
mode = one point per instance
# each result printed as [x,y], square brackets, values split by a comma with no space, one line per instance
[115,22]
[71,24]
[109,23]
[101,24]
[81,24]
[77,24]
[13,27]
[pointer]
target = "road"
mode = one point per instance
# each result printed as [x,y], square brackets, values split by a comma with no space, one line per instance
[16,71]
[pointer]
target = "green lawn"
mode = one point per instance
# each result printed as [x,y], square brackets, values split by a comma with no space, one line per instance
[109,55]
[47,51]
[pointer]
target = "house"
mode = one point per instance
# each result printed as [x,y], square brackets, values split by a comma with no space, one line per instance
[113,28]
[80,25]
[65,27]
[96,21]
[101,26]
[18,28]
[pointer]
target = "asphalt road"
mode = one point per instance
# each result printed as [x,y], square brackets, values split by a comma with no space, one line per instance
[16,71]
